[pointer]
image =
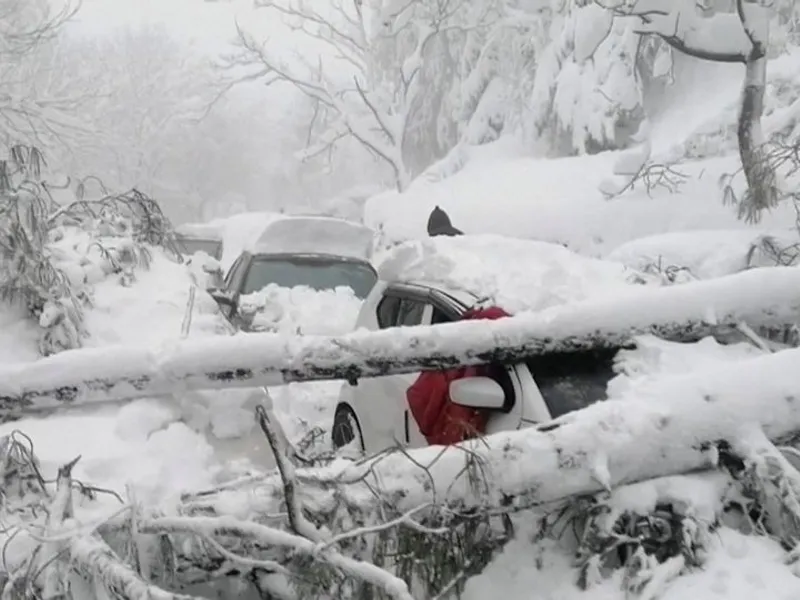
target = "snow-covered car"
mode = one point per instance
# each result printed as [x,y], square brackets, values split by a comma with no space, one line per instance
[318,253]
[436,281]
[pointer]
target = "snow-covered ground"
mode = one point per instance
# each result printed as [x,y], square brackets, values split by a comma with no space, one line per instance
[166,446]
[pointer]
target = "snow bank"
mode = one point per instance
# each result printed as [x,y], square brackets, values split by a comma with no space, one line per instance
[302,310]
[516,274]
[558,201]
[706,253]
[151,308]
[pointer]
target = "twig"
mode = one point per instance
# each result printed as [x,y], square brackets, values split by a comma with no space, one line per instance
[297,521]
[404,519]
[268,536]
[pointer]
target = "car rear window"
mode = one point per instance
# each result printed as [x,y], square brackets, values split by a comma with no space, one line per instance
[316,273]
[572,380]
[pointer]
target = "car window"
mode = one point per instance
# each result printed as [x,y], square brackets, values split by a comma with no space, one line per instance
[229,277]
[570,381]
[439,316]
[315,272]
[410,313]
[387,311]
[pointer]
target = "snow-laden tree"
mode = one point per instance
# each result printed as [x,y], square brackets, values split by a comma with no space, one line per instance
[481,80]
[147,100]
[738,36]
[588,94]
[367,78]
[34,107]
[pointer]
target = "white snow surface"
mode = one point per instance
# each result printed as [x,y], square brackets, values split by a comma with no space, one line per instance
[167,445]
[516,274]
[738,567]
[559,201]
[706,253]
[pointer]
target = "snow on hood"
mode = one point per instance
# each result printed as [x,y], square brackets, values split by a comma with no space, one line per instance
[515,274]
[302,310]
[312,234]
[707,253]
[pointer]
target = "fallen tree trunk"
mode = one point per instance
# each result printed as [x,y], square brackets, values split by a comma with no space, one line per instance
[673,430]
[766,297]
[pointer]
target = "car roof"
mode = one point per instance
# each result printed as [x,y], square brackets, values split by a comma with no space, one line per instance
[311,255]
[315,235]
[199,231]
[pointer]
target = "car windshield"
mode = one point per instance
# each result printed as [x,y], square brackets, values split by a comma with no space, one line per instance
[191,245]
[318,273]
[572,380]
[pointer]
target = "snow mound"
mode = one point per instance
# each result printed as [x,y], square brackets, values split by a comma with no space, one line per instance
[516,274]
[708,253]
[150,308]
[302,310]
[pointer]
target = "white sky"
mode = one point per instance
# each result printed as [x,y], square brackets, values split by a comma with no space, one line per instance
[210,25]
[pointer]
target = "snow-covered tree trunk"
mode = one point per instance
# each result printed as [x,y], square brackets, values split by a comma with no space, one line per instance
[764,192]
[674,427]
[738,37]
[690,311]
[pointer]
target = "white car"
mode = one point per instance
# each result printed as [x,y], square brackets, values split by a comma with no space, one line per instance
[373,414]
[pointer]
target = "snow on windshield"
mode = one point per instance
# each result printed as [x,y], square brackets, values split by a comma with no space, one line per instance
[302,310]
[514,273]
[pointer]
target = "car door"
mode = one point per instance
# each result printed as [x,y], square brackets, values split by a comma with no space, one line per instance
[400,306]
[233,284]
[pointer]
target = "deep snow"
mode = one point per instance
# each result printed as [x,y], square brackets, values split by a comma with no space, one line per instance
[188,442]
[163,447]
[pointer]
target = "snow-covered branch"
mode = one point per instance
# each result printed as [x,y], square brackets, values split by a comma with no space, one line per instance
[384,50]
[675,426]
[765,297]
[735,37]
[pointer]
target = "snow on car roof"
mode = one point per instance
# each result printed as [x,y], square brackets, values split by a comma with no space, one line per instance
[207,231]
[513,273]
[315,235]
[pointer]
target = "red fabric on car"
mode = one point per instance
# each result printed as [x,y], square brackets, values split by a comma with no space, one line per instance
[441,421]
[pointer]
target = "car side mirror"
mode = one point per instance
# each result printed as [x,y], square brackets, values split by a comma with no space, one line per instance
[221,297]
[477,392]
